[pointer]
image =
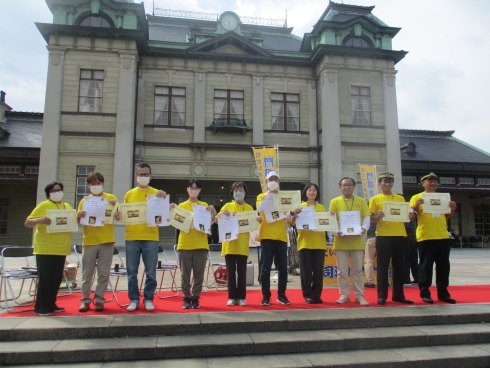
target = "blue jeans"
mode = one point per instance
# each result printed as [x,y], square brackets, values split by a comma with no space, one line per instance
[149,252]
[279,250]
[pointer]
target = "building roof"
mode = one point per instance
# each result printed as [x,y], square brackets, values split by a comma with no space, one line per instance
[440,146]
[23,130]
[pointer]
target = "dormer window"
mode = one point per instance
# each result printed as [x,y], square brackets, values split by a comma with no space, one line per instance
[409,149]
[355,41]
[95,21]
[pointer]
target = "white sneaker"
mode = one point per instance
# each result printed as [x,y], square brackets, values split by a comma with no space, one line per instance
[242,302]
[362,301]
[132,307]
[343,299]
[149,306]
[231,302]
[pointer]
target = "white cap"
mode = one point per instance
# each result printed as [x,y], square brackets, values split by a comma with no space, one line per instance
[272,173]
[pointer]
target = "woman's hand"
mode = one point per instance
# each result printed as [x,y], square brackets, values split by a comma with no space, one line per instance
[112,202]
[117,215]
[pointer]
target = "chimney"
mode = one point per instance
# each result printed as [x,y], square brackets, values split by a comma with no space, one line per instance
[3,107]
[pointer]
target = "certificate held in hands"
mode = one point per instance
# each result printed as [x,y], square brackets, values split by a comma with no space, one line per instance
[287,200]
[62,221]
[436,202]
[133,213]
[95,209]
[247,221]
[181,219]
[396,211]
[350,222]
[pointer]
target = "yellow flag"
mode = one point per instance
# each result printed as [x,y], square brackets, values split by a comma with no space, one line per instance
[266,161]
[368,178]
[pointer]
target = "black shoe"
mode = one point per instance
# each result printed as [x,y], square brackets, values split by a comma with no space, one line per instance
[43,313]
[404,301]
[310,300]
[372,286]
[283,300]
[187,303]
[381,301]
[57,309]
[266,300]
[195,303]
[427,299]
[318,301]
[448,299]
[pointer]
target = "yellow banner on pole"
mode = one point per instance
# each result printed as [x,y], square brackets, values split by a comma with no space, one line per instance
[368,179]
[266,161]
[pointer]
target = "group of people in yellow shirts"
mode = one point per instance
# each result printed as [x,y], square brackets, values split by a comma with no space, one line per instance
[51,249]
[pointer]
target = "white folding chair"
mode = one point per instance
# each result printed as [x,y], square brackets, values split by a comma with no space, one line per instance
[166,266]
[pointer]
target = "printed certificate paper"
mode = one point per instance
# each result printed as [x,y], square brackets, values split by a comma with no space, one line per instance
[181,219]
[62,221]
[436,202]
[269,208]
[247,221]
[95,208]
[158,210]
[133,213]
[350,222]
[254,241]
[110,211]
[396,211]
[325,221]
[228,227]
[306,219]
[201,218]
[287,200]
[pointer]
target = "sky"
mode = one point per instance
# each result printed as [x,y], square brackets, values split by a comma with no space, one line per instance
[442,83]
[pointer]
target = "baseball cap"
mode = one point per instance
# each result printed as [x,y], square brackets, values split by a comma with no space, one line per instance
[429,176]
[272,173]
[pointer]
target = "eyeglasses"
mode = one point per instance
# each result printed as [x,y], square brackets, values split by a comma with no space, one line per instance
[143,174]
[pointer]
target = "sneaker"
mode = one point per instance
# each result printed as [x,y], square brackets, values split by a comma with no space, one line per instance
[43,313]
[362,301]
[407,284]
[283,300]
[195,303]
[149,306]
[84,307]
[231,302]
[242,302]
[132,307]
[266,300]
[58,309]
[187,303]
[343,299]
[99,307]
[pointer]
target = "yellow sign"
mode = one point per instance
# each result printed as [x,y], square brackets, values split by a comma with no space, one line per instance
[266,161]
[368,178]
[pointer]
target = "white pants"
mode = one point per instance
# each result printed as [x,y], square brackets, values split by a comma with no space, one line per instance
[369,259]
[356,257]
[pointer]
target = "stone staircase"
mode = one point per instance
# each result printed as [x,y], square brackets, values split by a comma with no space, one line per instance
[429,336]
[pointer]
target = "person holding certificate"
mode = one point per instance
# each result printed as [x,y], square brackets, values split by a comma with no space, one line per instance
[353,213]
[98,245]
[274,241]
[236,251]
[311,249]
[193,249]
[141,241]
[50,249]
[390,242]
[434,245]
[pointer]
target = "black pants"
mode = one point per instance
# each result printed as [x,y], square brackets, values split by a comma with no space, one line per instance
[274,249]
[311,262]
[50,273]
[411,262]
[434,251]
[236,268]
[390,247]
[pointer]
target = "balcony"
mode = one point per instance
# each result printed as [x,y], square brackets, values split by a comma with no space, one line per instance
[231,125]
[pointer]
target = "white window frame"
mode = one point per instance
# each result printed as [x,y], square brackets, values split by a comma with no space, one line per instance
[10,169]
[466,181]
[448,180]
[90,92]
[360,116]
[409,179]
[482,181]
[81,189]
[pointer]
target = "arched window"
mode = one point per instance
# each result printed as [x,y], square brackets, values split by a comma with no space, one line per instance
[355,41]
[96,21]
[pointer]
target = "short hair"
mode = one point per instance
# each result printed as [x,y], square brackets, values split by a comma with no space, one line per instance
[50,186]
[143,165]
[194,181]
[347,177]
[305,189]
[93,176]
[239,184]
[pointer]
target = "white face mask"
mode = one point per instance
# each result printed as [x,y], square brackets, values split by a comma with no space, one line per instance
[273,185]
[56,196]
[238,196]
[193,193]
[96,189]
[143,180]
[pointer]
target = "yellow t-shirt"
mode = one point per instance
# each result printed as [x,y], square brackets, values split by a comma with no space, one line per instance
[272,231]
[387,228]
[238,246]
[338,204]
[54,244]
[95,235]
[308,239]
[428,226]
[194,239]
[140,231]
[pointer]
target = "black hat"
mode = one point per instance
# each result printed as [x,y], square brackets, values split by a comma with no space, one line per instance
[429,176]
[387,175]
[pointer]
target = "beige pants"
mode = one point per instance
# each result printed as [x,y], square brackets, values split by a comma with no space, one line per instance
[100,257]
[356,257]
[192,261]
[369,259]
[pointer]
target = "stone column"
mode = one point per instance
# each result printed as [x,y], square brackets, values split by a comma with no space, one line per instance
[140,114]
[312,128]
[393,157]
[199,107]
[257,110]
[331,155]
[50,143]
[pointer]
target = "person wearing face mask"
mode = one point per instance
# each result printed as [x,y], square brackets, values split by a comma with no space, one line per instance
[274,242]
[142,241]
[193,250]
[236,251]
[98,247]
[50,250]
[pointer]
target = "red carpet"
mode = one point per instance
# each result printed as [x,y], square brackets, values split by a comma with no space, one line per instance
[215,301]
